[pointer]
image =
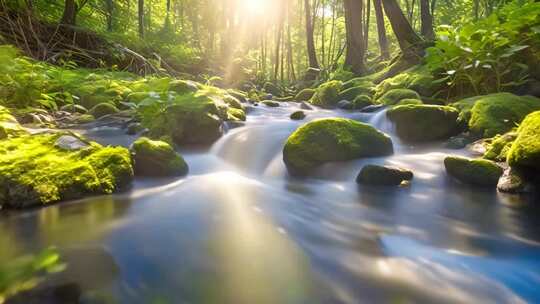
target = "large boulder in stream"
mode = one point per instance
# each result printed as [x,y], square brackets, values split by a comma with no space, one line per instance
[417,123]
[42,169]
[479,172]
[383,175]
[489,115]
[332,139]
[525,151]
[156,158]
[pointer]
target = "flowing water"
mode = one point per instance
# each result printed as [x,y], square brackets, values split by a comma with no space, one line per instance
[239,230]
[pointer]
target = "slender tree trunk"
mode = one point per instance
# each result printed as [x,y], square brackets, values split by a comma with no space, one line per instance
[409,42]
[141,18]
[427,20]
[366,26]
[312,55]
[354,57]
[110,12]
[381,29]
[70,13]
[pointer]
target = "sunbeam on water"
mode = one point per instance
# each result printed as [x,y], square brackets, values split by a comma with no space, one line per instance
[238,229]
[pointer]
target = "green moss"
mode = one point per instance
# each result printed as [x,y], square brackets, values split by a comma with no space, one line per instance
[183,86]
[103,109]
[499,146]
[332,139]
[233,102]
[525,151]
[240,95]
[304,95]
[417,78]
[362,101]
[272,89]
[424,122]
[383,175]
[394,96]
[270,103]
[409,102]
[33,171]
[236,114]
[352,93]
[478,172]
[359,82]
[156,158]
[327,94]
[489,115]
[84,118]
[298,115]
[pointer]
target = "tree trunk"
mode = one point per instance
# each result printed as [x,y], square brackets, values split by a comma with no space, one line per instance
[312,55]
[354,57]
[381,29]
[409,42]
[110,9]
[141,18]
[70,13]
[427,20]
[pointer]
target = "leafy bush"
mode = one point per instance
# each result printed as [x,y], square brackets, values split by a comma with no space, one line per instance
[491,55]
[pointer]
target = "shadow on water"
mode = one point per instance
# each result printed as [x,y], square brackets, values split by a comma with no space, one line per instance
[239,230]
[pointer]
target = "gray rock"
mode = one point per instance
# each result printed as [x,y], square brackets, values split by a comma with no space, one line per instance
[270,103]
[305,106]
[345,105]
[383,175]
[298,115]
[512,181]
[70,143]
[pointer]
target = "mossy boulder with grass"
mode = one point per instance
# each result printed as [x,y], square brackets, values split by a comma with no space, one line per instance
[35,170]
[525,151]
[103,109]
[394,96]
[417,123]
[9,126]
[190,119]
[417,78]
[360,82]
[156,158]
[490,115]
[327,94]
[234,114]
[305,95]
[479,172]
[332,139]
[362,101]
[383,175]
[351,93]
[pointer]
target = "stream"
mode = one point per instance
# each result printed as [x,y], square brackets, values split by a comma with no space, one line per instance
[239,230]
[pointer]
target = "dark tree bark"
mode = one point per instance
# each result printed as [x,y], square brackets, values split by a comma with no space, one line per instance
[409,42]
[427,20]
[312,55]
[70,13]
[354,56]
[381,29]
[110,12]
[141,18]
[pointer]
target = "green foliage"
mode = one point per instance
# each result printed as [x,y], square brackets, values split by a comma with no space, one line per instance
[498,147]
[491,55]
[25,272]
[332,139]
[525,151]
[479,172]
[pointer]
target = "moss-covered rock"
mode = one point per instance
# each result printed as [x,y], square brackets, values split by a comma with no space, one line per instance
[35,171]
[362,101]
[298,115]
[304,95]
[394,96]
[424,122]
[489,115]
[234,114]
[270,103]
[233,102]
[183,86]
[498,147]
[240,95]
[327,94]
[409,101]
[9,126]
[479,172]
[383,175]
[525,151]
[272,89]
[156,158]
[359,82]
[417,78]
[351,93]
[190,120]
[332,139]
[103,109]
[83,119]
